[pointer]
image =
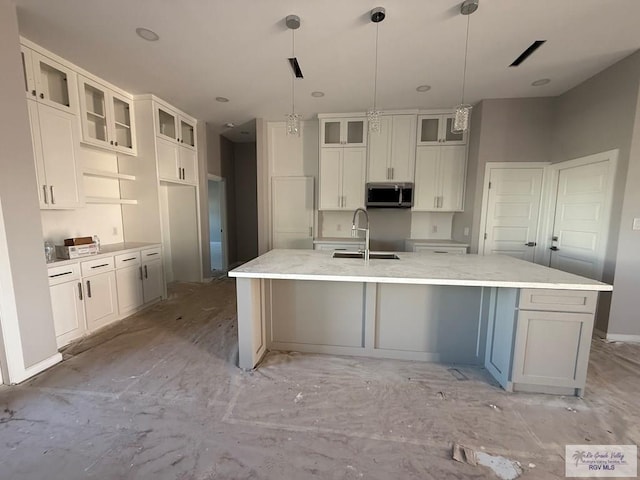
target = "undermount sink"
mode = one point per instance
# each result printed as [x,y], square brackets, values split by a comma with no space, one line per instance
[372,255]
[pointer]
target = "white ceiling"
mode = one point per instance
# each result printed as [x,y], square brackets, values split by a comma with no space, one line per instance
[238,49]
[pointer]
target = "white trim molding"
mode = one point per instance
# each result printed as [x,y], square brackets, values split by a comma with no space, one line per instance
[619,337]
[37,368]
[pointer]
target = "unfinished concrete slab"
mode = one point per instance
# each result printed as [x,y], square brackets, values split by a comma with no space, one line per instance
[159,396]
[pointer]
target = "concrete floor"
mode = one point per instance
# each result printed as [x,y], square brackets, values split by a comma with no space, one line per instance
[158,396]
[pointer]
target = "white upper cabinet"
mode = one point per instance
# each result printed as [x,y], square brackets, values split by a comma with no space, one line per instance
[176,163]
[171,125]
[392,150]
[55,147]
[106,117]
[342,172]
[440,177]
[343,132]
[436,130]
[49,82]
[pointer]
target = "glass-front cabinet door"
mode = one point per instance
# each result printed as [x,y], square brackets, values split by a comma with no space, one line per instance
[187,133]
[436,130]
[343,132]
[93,106]
[167,121]
[122,124]
[48,82]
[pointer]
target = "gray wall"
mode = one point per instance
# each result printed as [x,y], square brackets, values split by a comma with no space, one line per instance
[502,130]
[599,115]
[246,218]
[23,280]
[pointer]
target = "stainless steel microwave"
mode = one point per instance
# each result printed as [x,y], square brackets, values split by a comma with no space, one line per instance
[390,195]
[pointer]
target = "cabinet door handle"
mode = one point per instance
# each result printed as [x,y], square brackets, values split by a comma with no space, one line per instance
[33,92]
[146,274]
[101,265]
[111,142]
[89,288]
[555,249]
[46,198]
[42,96]
[116,144]
[184,175]
[440,201]
[530,244]
[53,198]
[311,231]
[344,200]
[140,273]
[435,202]
[392,173]
[80,290]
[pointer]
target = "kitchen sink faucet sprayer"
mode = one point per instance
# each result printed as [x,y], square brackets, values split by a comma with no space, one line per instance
[355,229]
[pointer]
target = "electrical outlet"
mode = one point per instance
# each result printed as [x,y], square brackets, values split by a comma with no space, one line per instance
[466,231]
[115,230]
[636,223]
[434,229]
[339,227]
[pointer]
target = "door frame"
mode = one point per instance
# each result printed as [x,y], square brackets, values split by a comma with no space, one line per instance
[485,198]
[223,219]
[550,196]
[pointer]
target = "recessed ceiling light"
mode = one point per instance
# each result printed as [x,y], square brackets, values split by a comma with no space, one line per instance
[222,99]
[147,34]
[317,94]
[541,82]
[423,88]
[230,125]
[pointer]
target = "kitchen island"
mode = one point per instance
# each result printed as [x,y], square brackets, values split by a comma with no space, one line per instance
[529,325]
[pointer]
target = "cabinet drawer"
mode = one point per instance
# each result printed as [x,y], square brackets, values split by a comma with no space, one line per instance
[151,254]
[63,274]
[558,300]
[98,265]
[127,259]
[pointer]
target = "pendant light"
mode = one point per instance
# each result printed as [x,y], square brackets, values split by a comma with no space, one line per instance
[293,119]
[373,115]
[463,111]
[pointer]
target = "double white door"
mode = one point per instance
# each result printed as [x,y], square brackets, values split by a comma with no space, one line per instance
[564,225]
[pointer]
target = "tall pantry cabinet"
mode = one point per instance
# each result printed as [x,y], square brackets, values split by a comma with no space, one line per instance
[168,210]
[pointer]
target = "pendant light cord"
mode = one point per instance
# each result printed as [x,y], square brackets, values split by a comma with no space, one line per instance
[375,72]
[464,71]
[293,74]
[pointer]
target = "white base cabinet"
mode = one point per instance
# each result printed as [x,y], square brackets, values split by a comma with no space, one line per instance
[90,294]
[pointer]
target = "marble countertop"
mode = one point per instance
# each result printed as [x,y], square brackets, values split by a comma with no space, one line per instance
[105,251]
[414,268]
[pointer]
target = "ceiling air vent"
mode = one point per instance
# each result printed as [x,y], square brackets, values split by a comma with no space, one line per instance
[295,66]
[527,53]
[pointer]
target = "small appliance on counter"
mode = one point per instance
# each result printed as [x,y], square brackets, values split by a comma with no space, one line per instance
[78,247]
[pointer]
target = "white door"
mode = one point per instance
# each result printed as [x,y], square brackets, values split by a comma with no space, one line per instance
[512,212]
[188,165]
[292,207]
[581,220]
[426,186]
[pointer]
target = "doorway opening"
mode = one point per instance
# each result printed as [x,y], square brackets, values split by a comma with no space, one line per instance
[217,226]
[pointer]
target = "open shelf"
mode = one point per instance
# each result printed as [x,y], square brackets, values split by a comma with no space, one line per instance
[103,174]
[110,201]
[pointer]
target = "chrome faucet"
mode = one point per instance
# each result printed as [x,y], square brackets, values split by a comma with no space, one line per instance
[355,229]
